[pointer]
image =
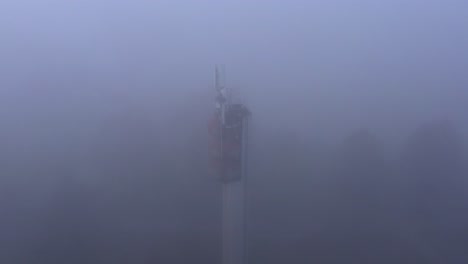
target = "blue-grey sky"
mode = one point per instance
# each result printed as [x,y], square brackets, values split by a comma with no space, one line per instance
[329,66]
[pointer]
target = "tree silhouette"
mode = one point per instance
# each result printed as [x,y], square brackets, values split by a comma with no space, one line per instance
[433,160]
[70,229]
[359,230]
[360,166]
[432,169]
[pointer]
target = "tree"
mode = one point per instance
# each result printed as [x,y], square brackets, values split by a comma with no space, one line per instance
[359,229]
[70,227]
[360,166]
[432,169]
[433,160]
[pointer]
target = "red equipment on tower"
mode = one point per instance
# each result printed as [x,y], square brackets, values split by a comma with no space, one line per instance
[226,129]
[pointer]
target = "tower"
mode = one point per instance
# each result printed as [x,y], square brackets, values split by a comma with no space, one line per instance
[229,130]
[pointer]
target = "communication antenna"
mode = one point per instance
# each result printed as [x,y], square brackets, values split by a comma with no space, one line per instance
[230,141]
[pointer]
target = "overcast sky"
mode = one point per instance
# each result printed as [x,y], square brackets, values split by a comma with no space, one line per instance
[326,66]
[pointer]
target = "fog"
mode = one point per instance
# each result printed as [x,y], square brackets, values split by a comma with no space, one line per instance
[358,130]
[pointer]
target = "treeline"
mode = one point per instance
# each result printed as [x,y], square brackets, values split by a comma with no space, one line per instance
[136,189]
[358,204]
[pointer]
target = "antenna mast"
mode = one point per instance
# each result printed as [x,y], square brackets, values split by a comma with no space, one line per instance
[230,131]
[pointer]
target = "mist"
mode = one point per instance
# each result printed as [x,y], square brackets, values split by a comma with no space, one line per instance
[357,140]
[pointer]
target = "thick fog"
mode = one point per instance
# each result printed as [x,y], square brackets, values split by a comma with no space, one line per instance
[357,140]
